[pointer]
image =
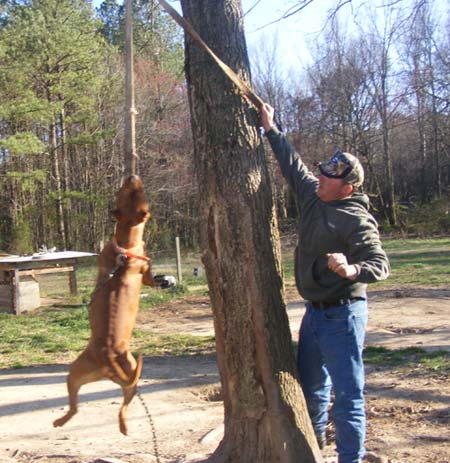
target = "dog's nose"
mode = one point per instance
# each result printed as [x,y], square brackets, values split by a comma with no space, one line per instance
[133,181]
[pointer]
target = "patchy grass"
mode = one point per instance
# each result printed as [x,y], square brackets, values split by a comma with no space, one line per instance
[42,337]
[413,261]
[153,297]
[420,262]
[411,244]
[411,357]
[59,335]
[173,345]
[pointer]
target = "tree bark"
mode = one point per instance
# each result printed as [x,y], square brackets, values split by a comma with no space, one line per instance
[58,189]
[383,105]
[388,169]
[266,419]
[65,180]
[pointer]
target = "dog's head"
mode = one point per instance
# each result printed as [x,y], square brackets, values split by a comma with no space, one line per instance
[131,203]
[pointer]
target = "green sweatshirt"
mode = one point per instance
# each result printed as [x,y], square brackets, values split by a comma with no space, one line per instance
[343,226]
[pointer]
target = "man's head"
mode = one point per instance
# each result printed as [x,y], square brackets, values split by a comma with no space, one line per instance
[340,176]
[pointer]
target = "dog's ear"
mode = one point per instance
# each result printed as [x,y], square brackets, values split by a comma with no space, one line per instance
[116,213]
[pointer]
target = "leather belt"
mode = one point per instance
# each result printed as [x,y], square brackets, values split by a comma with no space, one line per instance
[339,302]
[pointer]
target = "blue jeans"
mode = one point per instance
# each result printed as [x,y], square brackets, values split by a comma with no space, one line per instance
[330,355]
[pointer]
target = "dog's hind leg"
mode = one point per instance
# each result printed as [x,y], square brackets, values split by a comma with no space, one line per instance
[84,370]
[128,393]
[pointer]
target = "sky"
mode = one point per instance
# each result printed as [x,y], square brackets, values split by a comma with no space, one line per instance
[291,34]
[294,34]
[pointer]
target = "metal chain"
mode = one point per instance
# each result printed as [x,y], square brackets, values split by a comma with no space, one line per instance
[152,426]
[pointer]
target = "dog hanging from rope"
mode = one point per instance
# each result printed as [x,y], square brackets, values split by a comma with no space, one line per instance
[122,268]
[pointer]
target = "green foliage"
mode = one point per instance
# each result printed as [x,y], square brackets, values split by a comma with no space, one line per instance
[423,220]
[52,56]
[91,138]
[21,241]
[27,181]
[42,337]
[155,35]
[59,334]
[53,335]
[412,245]
[413,261]
[416,261]
[61,77]
[437,361]
[79,195]
[53,68]
[159,235]
[174,344]
[22,104]
[111,15]
[24,143]
[156,296]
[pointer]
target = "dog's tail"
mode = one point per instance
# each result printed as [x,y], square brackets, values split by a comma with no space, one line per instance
[118,375]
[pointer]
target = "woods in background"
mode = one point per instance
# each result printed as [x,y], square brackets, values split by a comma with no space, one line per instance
[380,90]
[61,122]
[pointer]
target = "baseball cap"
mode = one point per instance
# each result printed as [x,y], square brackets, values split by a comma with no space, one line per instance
[345,166]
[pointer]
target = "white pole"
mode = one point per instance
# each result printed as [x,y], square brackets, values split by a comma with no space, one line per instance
[177,245]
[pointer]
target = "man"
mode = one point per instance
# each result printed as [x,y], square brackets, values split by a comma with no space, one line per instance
[338,253]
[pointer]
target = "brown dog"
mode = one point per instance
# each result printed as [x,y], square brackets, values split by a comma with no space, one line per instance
[122,267]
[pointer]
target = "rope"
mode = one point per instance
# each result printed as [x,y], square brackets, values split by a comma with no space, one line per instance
[152,426]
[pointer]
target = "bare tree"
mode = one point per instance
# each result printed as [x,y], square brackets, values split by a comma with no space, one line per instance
[341,108]
[378,41]
[271,83]
[422,55]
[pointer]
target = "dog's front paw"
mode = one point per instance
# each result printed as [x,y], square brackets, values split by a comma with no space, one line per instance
[59,422]
[64,419]
[123,428]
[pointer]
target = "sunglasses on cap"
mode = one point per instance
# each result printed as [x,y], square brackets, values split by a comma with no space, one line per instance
[339,166]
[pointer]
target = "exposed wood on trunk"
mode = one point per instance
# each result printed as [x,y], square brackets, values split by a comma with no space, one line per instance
[265,414]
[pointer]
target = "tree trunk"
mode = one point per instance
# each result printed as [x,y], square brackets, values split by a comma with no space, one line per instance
[438,187]
[266,420]
[58,189]
[65,179]
[387,158]
[390,198]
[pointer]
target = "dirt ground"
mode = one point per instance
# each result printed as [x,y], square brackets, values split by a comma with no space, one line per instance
[180,417]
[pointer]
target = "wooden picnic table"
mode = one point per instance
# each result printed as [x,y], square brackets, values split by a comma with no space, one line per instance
[13,268]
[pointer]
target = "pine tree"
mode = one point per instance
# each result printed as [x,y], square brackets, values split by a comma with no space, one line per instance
[52,56]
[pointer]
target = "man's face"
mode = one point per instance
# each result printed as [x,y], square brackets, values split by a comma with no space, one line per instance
[332,189]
